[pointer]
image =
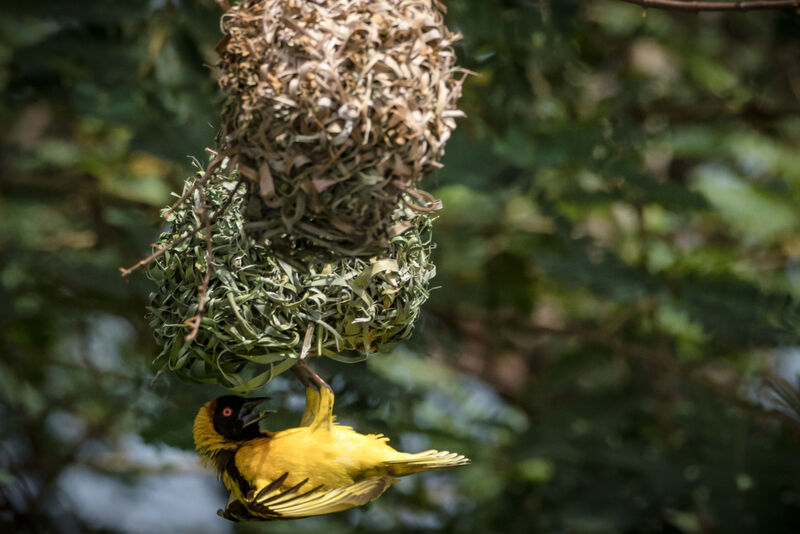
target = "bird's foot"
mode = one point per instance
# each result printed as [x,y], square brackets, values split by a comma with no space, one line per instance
[302,364]
[301,377]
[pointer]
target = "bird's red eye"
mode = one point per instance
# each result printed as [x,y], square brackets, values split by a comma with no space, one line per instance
[227,412]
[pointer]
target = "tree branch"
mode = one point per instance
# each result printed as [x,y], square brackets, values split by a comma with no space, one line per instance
[691,5]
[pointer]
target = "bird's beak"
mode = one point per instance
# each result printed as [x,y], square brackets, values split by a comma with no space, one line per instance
[253,418]
[247,414]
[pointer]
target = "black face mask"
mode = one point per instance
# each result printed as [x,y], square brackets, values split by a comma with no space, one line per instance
[235,419]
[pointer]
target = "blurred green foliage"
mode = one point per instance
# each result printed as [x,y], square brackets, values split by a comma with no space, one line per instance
[618,259]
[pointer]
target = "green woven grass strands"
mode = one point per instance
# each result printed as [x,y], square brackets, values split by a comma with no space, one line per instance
[336,110]
[266,307]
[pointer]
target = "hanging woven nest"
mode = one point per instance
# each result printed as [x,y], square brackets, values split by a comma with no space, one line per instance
[336,109]
[265,308]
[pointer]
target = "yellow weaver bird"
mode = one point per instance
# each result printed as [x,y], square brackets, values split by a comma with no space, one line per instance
[319,467]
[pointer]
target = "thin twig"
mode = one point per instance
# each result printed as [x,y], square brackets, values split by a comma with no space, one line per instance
[690,5]
[212,166]
[303,364]
[141,263]
[202,291]
[300,376]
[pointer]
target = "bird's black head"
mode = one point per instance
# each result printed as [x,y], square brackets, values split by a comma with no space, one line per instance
[235,419]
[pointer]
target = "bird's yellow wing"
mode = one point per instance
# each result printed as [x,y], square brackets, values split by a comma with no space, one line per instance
[273,503]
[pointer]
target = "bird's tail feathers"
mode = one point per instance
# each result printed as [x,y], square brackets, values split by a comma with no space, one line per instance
[425,461]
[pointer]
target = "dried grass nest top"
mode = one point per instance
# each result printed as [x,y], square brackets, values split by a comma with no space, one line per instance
[336,109]
[264,309]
